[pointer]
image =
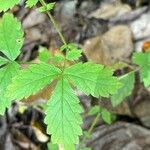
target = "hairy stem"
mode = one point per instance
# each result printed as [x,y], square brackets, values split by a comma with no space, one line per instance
[54,23]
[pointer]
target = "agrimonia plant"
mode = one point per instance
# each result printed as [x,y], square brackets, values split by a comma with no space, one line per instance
[63,109]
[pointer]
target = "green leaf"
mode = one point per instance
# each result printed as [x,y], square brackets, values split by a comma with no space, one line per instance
[70,46]
[106,83]
[3,61]
[92,79]
[48,7]
[44,54]
[57,58]
[94,110]
[73,55]
[106,116]
[52,146]
[84,76]
[31,80]
[31,3]
[126,90]
[6,75]
[143,60]
[63,116]
[11,36]
[87,135]
[6,4]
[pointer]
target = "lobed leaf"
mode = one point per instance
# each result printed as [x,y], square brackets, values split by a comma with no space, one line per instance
[106,83]
[11,36]
[92,79]
[73,55]
[48,7]
[57,58]
[7,4]
[70,46]
[31,3]
[6,75]
[44,55]
[143,60]
[63,116]
[31,80]
[126,90]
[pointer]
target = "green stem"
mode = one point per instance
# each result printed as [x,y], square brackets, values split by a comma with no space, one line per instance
[94,123]
[54,23]
[91,128]
[136,70]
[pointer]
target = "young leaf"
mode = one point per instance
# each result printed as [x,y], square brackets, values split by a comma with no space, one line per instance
[70,46]
[48,7]
[11,36]
[94,110]
[6,4]
[6,75]
[3,61]
[31,80]
[63,116]
[143,60]
[92,79]
[106,116]
[126,90]
[57,58]
[31,3]
[73,54]
[44,55]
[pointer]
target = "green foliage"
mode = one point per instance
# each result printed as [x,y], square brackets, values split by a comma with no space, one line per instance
[92,79]
[57,59]
[63,116]
[10,43]
[70,46]
[143,60]
[31,80]
[6,4]
[52,146]
[6,75]
[11,36]
[72,51]
[63,109]
[106,116]
[44,55]
[126,90]
[48,7]
[31,3]
[94,110]
[3,61]
[106,83]
[73,54]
